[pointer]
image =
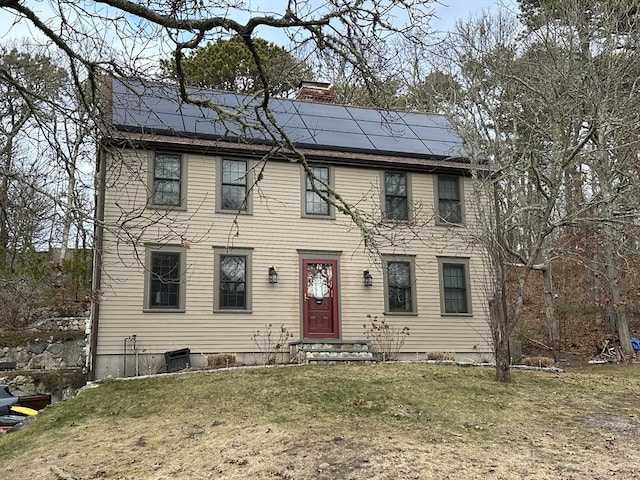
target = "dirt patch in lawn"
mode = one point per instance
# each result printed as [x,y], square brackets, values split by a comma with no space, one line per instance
[251,451]
[614,424]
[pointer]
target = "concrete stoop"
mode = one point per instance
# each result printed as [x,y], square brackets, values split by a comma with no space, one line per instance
[332,351]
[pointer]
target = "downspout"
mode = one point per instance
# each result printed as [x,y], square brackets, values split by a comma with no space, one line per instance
[105,117]
[98,241]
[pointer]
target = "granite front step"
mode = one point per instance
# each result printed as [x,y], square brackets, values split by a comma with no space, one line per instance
[333,360]
[335,346]
[339,354]
[332,351]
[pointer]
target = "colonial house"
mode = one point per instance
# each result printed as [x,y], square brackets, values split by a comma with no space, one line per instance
[209,229]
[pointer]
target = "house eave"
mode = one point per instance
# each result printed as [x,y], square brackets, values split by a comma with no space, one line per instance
[393,160]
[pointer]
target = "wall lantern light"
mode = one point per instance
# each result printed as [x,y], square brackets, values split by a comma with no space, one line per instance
[273,275]
[368,279]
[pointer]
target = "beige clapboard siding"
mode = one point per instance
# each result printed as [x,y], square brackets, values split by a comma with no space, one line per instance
[275,232]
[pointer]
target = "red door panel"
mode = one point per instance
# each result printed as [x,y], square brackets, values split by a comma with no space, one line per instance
[320,297]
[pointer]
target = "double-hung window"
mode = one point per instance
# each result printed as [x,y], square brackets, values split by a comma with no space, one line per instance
[167,180]
[164,285]
[314,204]
[232,280]
[396,196]
[454,286]
[233,185]
[399,279]
[449,200]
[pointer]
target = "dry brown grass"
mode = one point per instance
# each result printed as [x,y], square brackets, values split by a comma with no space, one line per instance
[405,421]
[439,355]
[539,361]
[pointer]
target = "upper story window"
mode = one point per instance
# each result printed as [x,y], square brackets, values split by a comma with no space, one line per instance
[233,185]
[399,279]
[167,180]
[396,196]
[449,199]
[454,286]
[164,285]
[314,205]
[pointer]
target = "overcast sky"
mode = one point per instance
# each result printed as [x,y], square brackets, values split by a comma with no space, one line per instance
[447,12]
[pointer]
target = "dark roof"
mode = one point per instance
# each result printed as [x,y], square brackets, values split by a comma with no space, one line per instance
[155,108]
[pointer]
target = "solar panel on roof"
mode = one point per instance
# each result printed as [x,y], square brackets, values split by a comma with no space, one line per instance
[343,140]
[301,135]
[322,110]
[366,114]
[289,120]
[282,106]
[425,120]
[227,99]
[400,145]
[315,123]
[172,122]
[436,134]
[209,127]
[157,107]
[385,129]
[447,149]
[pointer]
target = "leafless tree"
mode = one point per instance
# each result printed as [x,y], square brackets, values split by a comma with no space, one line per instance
[546,111]
[128,39]
[70,140]
[30,83]
[143,32]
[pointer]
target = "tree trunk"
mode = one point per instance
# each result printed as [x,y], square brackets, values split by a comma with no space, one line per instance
[612,241]
[4,195]
[552,320]
[617,303]
[500,335]
[68,214]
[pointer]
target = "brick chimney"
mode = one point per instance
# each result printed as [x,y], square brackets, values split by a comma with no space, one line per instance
[320,92]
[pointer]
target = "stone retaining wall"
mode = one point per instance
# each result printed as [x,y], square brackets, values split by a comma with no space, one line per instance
[44,354]
[44,364]
[59,324]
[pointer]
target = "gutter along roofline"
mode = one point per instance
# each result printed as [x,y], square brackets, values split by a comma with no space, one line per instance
[137,140]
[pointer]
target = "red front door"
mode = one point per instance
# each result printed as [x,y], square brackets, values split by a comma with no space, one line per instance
[320,297]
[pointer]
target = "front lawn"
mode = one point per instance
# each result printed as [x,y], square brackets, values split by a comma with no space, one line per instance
[340,421]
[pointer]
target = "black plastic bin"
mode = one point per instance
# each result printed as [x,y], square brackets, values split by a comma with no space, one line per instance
[177,359]
[7,365]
